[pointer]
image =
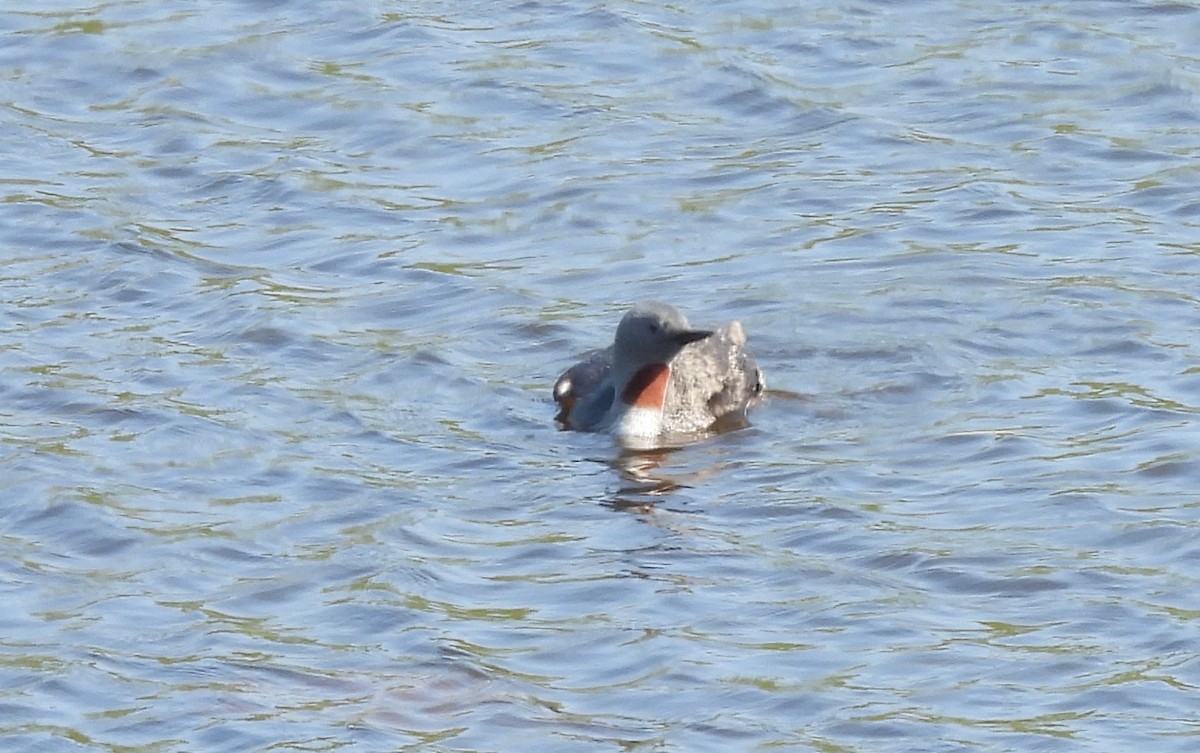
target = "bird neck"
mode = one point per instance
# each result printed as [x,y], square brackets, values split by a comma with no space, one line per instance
[647,388]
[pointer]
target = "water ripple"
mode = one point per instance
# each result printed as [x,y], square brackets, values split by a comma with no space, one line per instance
[286,288]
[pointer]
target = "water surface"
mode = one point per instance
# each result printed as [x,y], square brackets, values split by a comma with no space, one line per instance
[285,288]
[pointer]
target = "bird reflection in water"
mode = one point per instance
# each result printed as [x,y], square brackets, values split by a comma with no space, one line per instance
[645,484]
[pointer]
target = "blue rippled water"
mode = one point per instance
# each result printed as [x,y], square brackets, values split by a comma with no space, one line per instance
[286,285]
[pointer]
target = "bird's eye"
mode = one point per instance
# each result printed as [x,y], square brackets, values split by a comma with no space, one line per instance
[654,329]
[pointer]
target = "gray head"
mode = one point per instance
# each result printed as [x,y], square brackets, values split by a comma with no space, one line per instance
[653,332]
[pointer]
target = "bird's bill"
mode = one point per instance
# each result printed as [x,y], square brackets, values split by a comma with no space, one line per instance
[691,335]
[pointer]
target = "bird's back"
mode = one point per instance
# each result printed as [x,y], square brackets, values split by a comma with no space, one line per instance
[578,382]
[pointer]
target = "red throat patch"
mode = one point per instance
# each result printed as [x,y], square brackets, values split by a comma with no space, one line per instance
[648,387]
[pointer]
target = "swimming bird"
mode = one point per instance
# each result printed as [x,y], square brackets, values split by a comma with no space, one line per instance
[661,380]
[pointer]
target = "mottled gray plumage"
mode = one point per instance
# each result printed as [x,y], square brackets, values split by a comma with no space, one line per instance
[713,379]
